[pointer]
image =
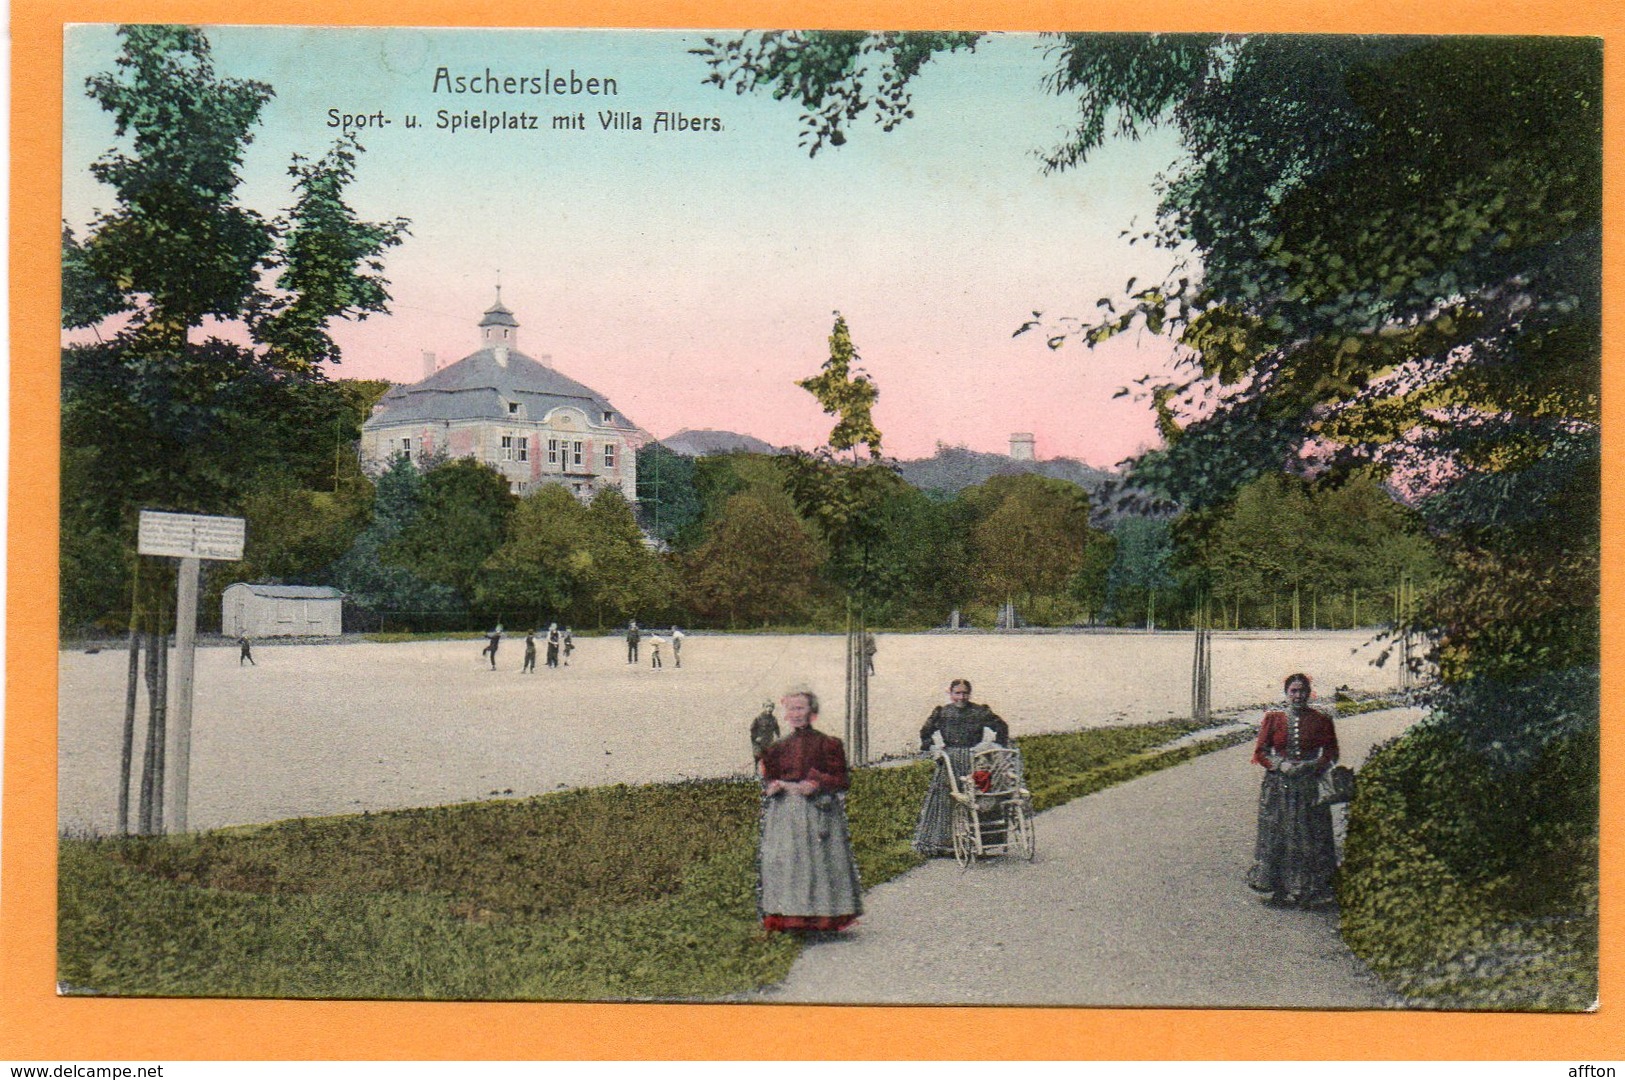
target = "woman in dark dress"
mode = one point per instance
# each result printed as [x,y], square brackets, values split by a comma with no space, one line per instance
[1295,859]
[960,725]
[808,877]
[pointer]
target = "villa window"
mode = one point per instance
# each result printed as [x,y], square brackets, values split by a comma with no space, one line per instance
[522,449]
[609,455]
[575,455]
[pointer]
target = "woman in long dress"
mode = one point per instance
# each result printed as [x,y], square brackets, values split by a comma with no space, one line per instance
[961,725]
[809,880]
[1295,858]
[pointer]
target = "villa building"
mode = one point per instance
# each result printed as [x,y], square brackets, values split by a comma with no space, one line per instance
[518,415]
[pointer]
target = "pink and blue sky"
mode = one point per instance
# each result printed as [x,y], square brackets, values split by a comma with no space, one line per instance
[691,277]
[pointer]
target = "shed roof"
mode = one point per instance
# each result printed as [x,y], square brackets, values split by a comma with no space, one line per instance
[290,592]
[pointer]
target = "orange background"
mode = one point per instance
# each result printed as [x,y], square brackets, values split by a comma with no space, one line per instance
[36,1024]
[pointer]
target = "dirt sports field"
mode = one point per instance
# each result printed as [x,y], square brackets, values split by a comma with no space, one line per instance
[342,728]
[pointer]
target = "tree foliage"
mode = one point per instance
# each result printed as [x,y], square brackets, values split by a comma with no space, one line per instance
[669,503]
[366,574]
[847,394]
[462,520]
[1030,537]
[156,417]
[178,248]
[837,75]
[758,564]
[1388,257]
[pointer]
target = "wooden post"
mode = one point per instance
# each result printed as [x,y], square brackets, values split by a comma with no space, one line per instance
[149,755]
[127,755]
[185,654]
[1202,664]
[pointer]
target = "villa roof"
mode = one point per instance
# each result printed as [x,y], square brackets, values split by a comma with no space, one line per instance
[479,386]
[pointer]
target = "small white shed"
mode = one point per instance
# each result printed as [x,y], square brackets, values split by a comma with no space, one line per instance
[262,611]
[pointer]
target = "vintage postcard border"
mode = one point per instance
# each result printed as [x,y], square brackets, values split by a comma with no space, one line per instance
[38,1024]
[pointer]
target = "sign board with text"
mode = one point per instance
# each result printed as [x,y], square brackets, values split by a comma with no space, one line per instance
[191,536]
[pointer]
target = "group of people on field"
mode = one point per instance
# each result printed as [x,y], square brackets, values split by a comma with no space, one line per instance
[808,878]
[634,636]
[561,644]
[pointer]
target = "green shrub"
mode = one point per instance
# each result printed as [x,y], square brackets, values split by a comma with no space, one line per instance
[1470,872]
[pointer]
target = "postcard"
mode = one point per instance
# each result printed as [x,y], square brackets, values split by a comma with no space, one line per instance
[631,524]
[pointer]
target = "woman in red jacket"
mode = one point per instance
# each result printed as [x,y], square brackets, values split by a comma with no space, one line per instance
[1295,858]
[808,878]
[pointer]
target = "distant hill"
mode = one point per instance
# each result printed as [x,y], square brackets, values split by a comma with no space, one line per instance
[950,470]
[953,468]
[691,443]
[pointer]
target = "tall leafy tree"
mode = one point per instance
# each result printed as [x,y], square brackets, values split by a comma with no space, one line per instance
[365,572]
[546,563]
[845,500]
[1391,257]
[668,502]
[1031,537]
[757,565]
[1143,567]
[177,247]
[160,413]
[462,520]
[847,394]
[629,579]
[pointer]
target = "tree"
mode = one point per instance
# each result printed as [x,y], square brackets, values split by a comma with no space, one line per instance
[462,520]
[668,502]
[845,501]
[1143,566]
[1391,258]
[629,579]
[545,565]
[178,249]
[159,419]
[1280,534]
[1030,539]
[1089,587]
[757,565]
[846,394]
[366,573]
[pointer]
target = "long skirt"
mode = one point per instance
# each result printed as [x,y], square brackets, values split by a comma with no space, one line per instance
[809,880]
[1295,856]
[934,834]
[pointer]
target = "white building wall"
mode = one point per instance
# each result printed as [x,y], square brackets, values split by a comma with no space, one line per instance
[243,612]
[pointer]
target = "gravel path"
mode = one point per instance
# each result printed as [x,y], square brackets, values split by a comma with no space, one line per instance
[1136,899]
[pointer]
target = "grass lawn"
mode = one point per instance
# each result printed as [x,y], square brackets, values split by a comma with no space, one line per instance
[607,893]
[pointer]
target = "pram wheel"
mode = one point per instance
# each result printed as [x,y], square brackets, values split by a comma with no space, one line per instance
[1021,825]
[964,835]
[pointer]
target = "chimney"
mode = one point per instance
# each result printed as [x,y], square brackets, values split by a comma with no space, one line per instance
[546,360]
[1021,446]
[429,365]
[501,353]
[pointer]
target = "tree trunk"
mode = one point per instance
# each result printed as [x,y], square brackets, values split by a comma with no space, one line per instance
[155,739]
[127,755]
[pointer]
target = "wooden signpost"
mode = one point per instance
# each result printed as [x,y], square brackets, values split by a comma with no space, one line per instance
[189,538]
